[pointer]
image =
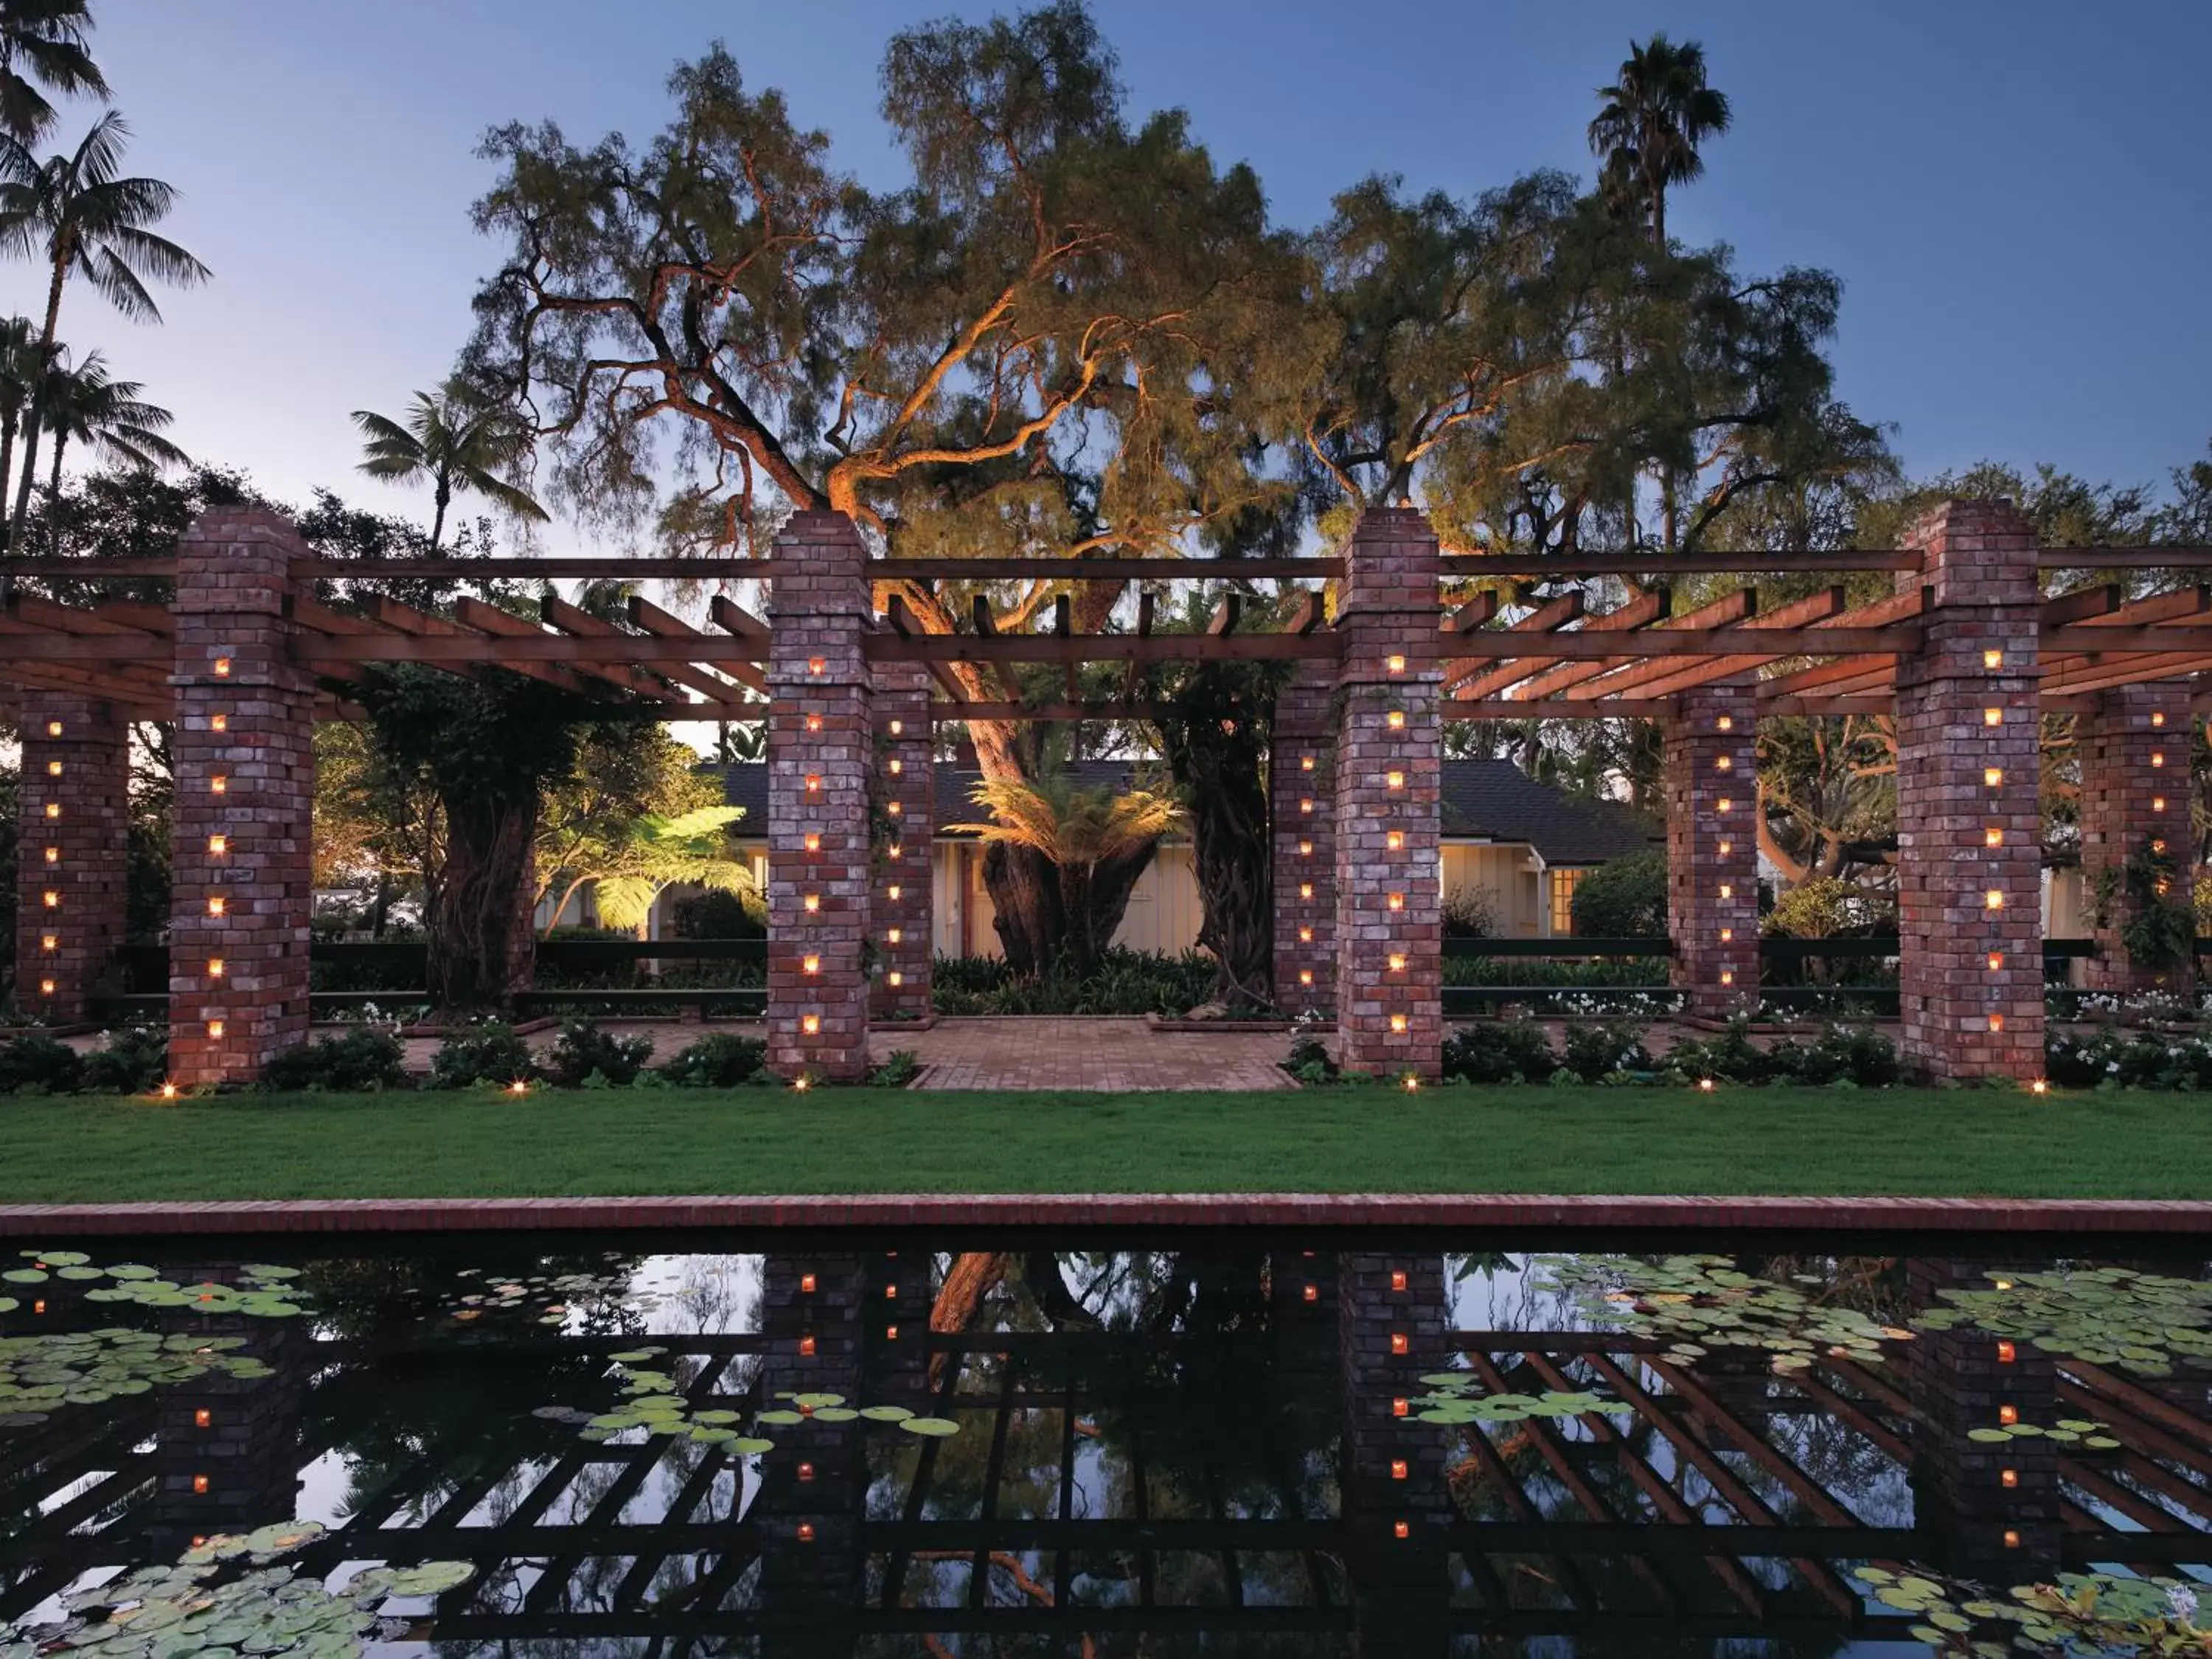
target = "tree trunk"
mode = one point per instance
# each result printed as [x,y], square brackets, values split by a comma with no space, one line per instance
[1232,850]
[44,367]
[475,960]
[438,518]
[1025,906]
[8,425]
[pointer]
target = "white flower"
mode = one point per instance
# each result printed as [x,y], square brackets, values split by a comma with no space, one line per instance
[2181,1601]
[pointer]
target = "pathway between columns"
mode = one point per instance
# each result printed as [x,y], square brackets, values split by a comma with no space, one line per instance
[1111,1055]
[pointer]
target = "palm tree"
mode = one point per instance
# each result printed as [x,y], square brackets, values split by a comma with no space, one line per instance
[84,404]
[453,442]
[43,40]
[77,213]
[19,374]
[690,848]
[1655,114]
[1080,833]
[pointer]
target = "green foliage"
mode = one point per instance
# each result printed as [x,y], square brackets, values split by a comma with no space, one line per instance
[721,1059]
[899,1068]
[1624,897]
[583,1051]
[361,1059]
[131,1061]
[1599,1050]
[1826,907]
[1731,1057]
[36,1064]
[1123,981]
[1499,1051]
[2159,930]
[719,916]
[1470,912]
[2110,1059]
[486,1053]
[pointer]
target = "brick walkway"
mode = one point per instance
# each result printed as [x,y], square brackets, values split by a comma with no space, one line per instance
[1055,1052]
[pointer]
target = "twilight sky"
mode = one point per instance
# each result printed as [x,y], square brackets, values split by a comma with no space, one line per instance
[2015,191]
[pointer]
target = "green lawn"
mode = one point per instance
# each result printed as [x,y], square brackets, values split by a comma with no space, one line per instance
[1457,1139]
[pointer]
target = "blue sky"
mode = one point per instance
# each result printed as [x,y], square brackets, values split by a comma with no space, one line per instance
[2013,191]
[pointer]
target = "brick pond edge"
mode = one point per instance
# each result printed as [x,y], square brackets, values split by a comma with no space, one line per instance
[402,1215]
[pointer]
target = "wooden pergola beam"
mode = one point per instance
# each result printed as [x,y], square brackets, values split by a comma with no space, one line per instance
[578,623]
[648,618]
[1539,676]
[2087,674]
[1548,617]
[1822,611]
[1738,609]
[491,622]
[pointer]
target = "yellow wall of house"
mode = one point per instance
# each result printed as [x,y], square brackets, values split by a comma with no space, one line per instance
[1508,880]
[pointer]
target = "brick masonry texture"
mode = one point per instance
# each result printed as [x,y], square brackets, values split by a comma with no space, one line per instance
[72,846]
[1656,1216]
[901,923]
[244,751]
[2134,752]
[1389,755]
[1302,808]
[1712,849]
[1968,813]
[821,756]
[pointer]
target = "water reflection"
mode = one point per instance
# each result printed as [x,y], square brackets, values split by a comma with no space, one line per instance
[1227,1444]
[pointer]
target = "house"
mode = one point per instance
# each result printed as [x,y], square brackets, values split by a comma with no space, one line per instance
[1513,845]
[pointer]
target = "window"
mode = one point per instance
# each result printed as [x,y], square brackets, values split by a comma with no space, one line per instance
[1562,890]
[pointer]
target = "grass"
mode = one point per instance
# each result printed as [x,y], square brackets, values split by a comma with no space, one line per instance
[1458,1140]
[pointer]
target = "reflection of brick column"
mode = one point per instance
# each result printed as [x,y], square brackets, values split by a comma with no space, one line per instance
[1301,806]
[73,838]
[2134,752]
[814,1485]
[226,1449]
[820,750]
[1712,849]
[1391,1322]
[897,1293]
[241,884]
[1969,823]
[1389,764]
[1993,1506]
[901,923]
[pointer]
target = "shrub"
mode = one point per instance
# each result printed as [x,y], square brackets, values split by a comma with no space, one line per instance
[1123,981]
[363,1058]
[2106,1059]
[721,1059]
[1732,1056]
[1825,906]
[1624,897]
[1601,1050]
[1310,1061]
[1470,912]
[1500,1051]
[583,1051]
[712,915]
[490,1053]
[134,1060]
[1844,1053]
[36,1064]
[900,1068]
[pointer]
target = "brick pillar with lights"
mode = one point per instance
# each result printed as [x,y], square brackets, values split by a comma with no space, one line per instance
[73,838]
[2134,747]
[1389,766]
[1301,806]
[821,749]
[814,1489]
[1392,1321]
[1712,850]
[1969,820]
[241,877]
[902,922]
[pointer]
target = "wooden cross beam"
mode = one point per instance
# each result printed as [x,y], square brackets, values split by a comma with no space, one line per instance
[1542,675]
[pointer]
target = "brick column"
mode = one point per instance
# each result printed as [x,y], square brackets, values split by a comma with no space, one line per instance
[73,838]
[901,924]
[2134,749]
[814,1488]
[1398,1509]
[241,879]
[1969,821]
[1302,807]
[1712,850]
[821,750]
[1991,1509]
[1389,761]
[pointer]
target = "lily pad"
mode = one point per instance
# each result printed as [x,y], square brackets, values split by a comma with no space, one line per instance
[936,1427]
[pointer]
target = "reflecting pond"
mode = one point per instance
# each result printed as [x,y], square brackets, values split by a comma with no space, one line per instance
[1220,1442]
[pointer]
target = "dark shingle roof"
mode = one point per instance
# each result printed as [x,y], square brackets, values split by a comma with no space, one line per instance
[1483,800]
[1496,800]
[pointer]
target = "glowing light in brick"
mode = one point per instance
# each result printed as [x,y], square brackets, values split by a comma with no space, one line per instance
[1398,1279]
[203,1419]
[1993,717]
[218,722]
[1402,1529]
[215,968]
[1728,935]
[53,809]
[813,783]
[1723,764]
[1399,1343]
[2158,759]
[219,784]
[1397,962]
[217,905]
[1993,659]
[1394,781]
[806,1284]
[810,964]
[897,766]
[894,808]
[1396,900]
[2009,1478]
[1402,1408]
[1305,976]
[218,845]
[53,856]
[817,666]
[2006,1353]
[53,728]
[1305,803]
[1305,762]
[50,941]
[45,988]
[51,899]
[811,903]
[1728,975]
[806,1532]
[2158,803]
[1305,849]
[222,668]
[895,935]
[1398,1024]
[896,851]
[215,1029]
[199,1485]
[1398,1469]
[1726,722]
[1305,890]
[894,890]
[1725,804]
[1993,836]
[1993,899]
[1305,936]
[53,769]
[2008,1415]
[1397,720]
[814,722]
[2158,718]
[1728,889]
[1395,840]
[1997,960]
[898,728]
[1996,1022]
[1726,848]
[896,978]
[1397,664]
[805,1343]
[813,843]
[809,1024]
